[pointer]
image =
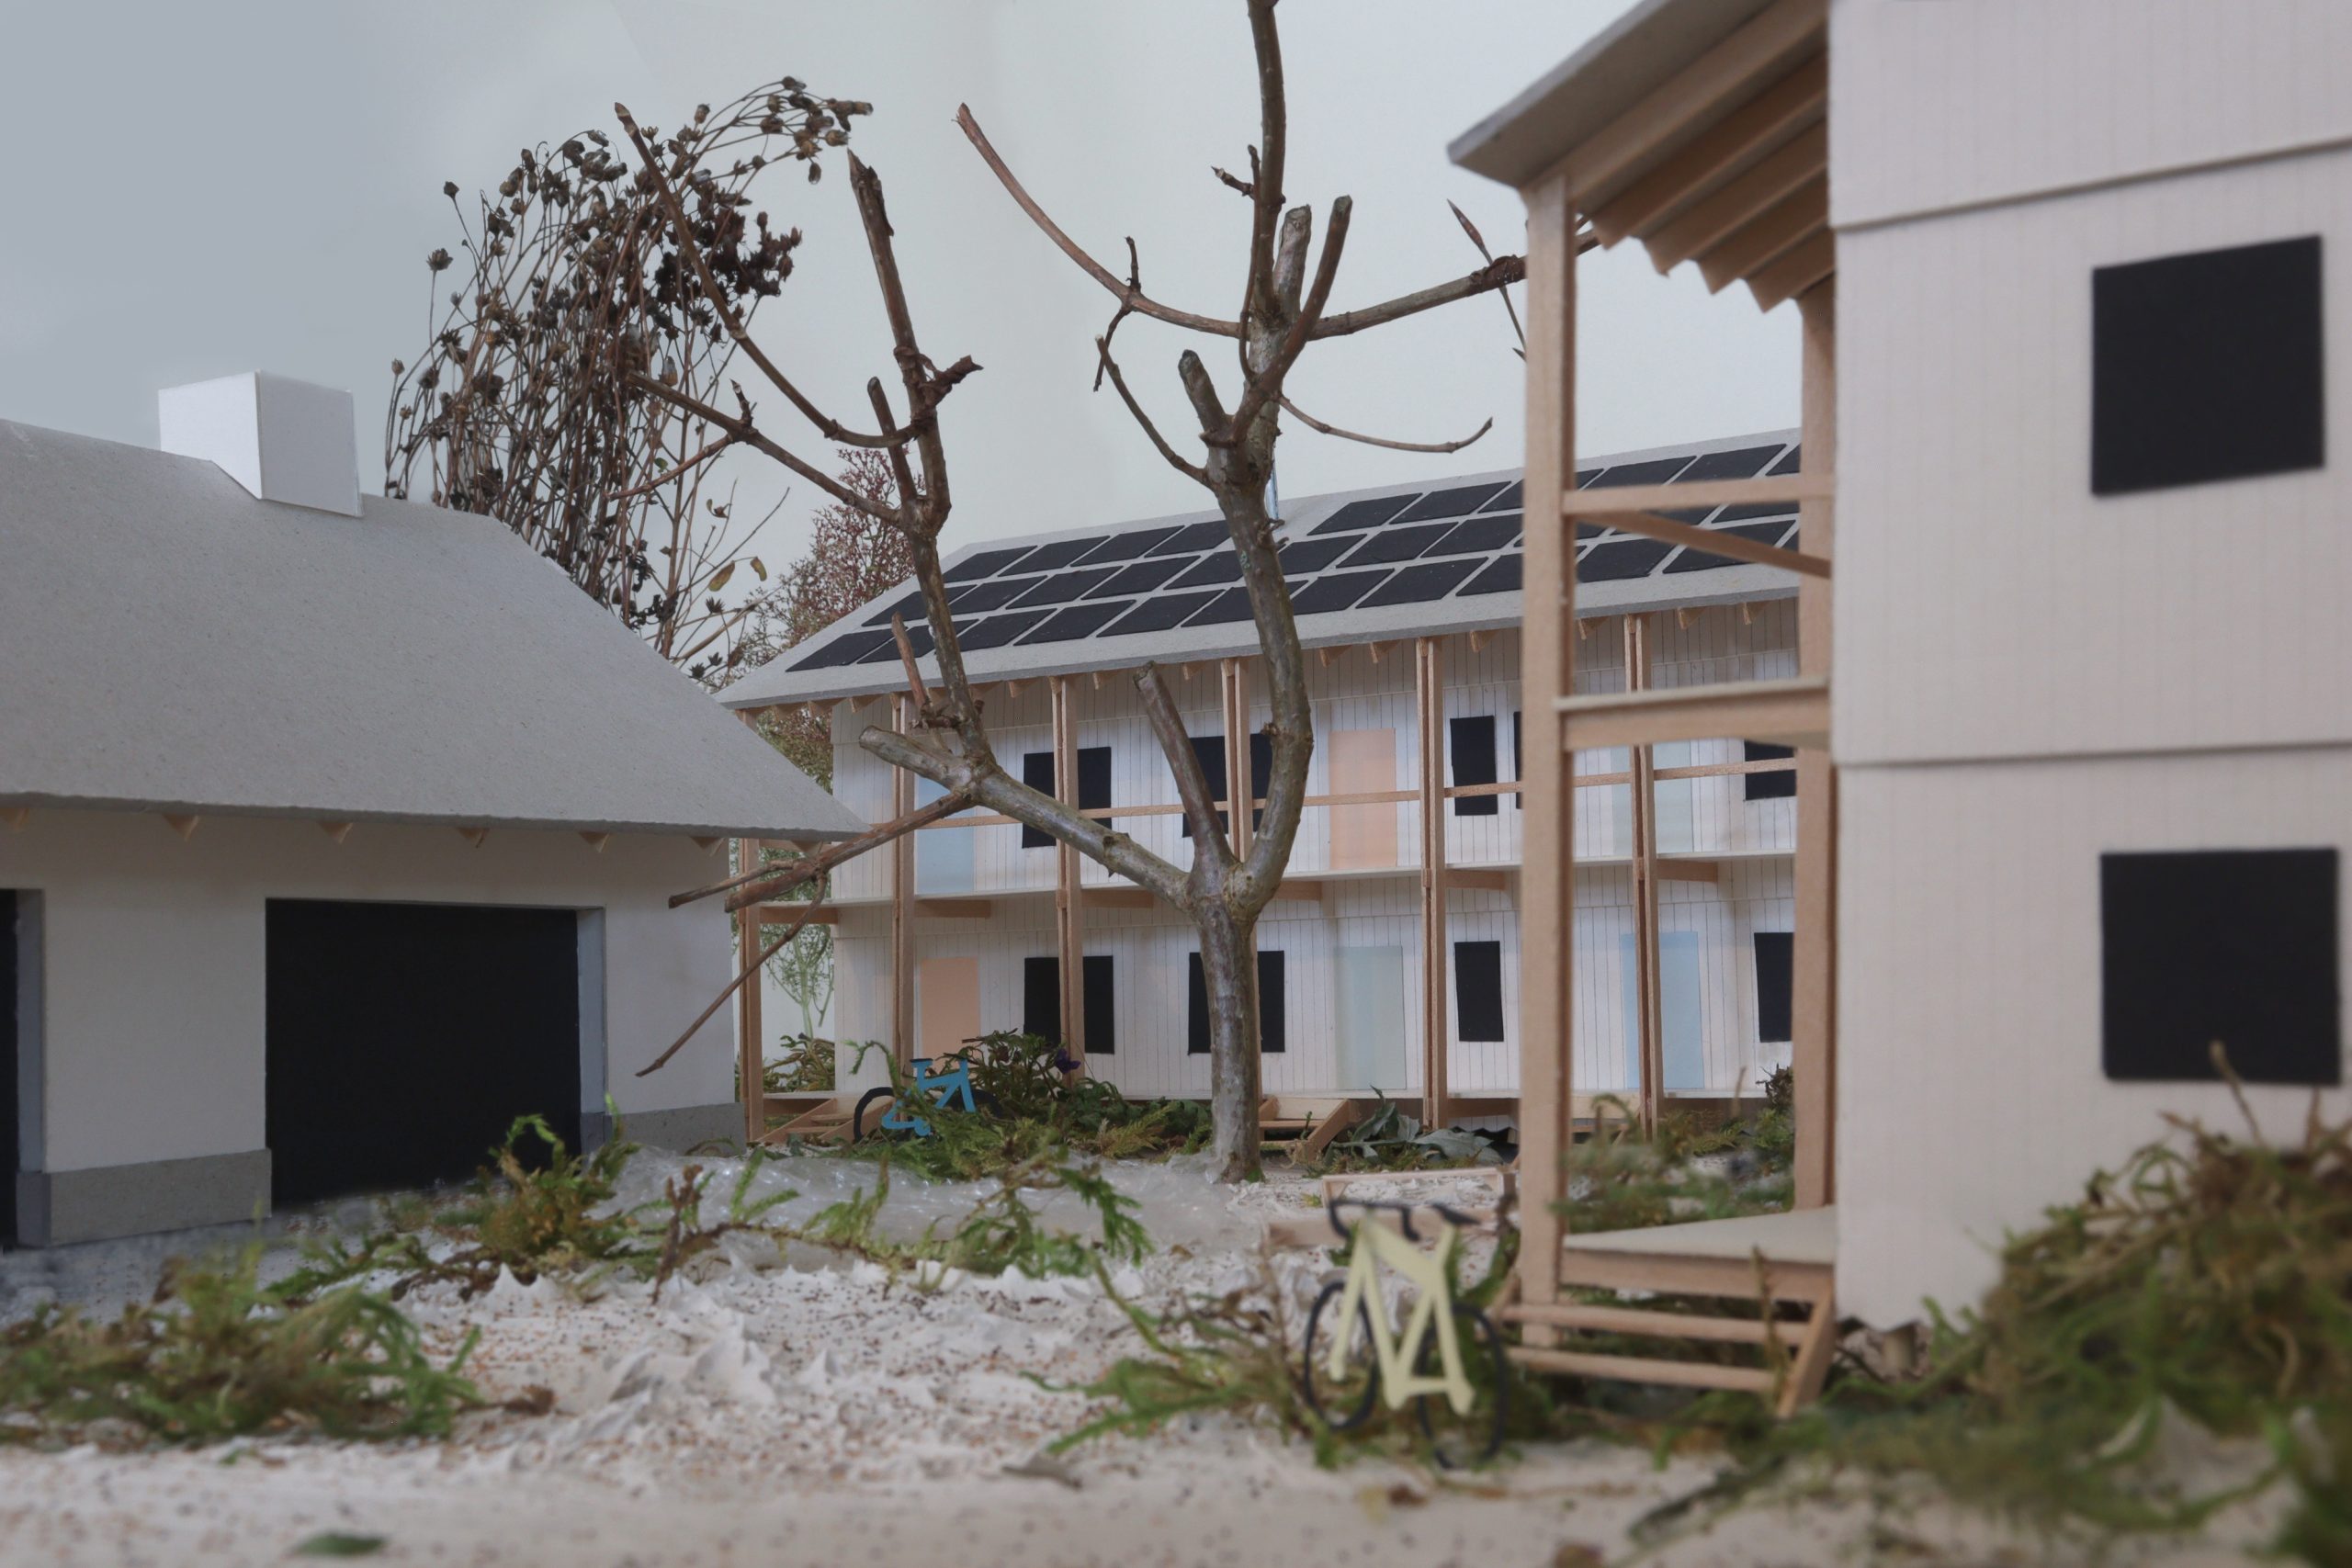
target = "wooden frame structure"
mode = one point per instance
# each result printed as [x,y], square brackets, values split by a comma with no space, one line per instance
[1718,155]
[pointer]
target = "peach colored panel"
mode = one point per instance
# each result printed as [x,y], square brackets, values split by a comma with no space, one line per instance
[1362,762]
[949,990]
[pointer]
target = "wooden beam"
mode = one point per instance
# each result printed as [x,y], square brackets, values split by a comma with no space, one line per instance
[1615,500]
[1645,1370]
[1803,212]
[1744,199]
[186,826]
[707,843]
[338,832]
[1069,944]
[1428,718]
[1492,881]
[1652,525]
[1680,109]
[1234,695]
[902,902]
[1813,958]
[1719,152]
[1788,713]
[1657,1324]
[956,909]
[1117,897]
[1688,870]
[1301,890]
[1649,1049]
[1380,650]
[1795,272]
[1548,664]
[596,842]
[1479,639]
[473,836]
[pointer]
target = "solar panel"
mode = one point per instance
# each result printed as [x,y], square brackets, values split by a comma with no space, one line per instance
[1339,591]
[1459,501]
[1161,613]
[1192,537]
[997,630]
[1703,560]
[1233,605]
[1223,567]
[979,598]
[1302,557]
[1614,560]
[1358,515]
[1393,544]
[1128,545]
[1655,471]
[1140,578]
[1065,586]
[1506,576]
[1077,620]
[847,648]
[1480,535]
[1419,584]
[910,606]
[1059,553]
[1744,464]
[988,563]
[1510,498]
[918,643]
[1791,463]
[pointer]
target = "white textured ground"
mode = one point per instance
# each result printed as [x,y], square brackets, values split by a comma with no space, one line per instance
[823,1414]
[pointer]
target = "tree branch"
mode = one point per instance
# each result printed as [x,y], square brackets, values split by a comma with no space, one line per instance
[1316,425]
[741,430]
[1499,274]
[1191,787]
[1274,138]
[1134,297]
[708,450]
[760,884]
[1267,383]
[1190,470]
[1489,257]
[734,985]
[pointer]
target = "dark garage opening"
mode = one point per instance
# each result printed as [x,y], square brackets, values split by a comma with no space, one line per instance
[405,1038]
[9,1147]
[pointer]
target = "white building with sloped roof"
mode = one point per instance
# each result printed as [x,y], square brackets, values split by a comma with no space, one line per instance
[1389,962]
[335,832]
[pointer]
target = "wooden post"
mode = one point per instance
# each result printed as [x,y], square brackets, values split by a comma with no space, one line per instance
[903,908]
[1648,1011]
[1239,780]
[1429,706]
[1547,662]
[750,1041]
[1813,1001]
[1068,945]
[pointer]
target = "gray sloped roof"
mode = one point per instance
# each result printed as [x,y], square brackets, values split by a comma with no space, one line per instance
[168,642]
[1444,557]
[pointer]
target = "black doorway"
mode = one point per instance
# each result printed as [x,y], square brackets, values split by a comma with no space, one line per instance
[9,1147]
[404,1038]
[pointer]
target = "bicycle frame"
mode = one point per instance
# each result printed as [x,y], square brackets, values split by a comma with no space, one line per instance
[954,1085]
[1395,1353]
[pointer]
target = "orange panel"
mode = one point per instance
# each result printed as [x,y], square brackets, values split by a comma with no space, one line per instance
[1363,761]
[948,1000]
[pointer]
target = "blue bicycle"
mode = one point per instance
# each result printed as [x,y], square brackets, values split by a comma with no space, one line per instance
[950,1087]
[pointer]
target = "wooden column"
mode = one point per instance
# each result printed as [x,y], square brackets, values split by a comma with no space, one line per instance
[1233,690]
[1068,945]
[750,1040]
[902,904]
[1547,660]
[1429,706]
[1814,1000]
[1648,1013]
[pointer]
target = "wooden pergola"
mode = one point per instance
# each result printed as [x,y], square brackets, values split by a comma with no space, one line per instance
[1700,128]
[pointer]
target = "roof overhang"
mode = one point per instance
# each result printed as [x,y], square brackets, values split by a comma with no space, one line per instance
[1698,127]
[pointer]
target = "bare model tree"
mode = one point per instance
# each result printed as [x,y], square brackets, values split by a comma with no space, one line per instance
[522,405]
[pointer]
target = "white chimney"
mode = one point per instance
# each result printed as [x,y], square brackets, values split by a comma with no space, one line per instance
[285,441]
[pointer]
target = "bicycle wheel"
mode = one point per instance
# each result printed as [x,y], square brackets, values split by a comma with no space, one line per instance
[1344,1402]
[858,1127]
[1456,1441]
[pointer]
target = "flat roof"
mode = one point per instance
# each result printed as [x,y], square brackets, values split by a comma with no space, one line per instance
[168,642]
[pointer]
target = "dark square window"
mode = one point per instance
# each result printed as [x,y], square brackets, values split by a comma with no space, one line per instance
[2206,367]
[1780,785]
[1518,761]
[1472,742]
[2234,945]
[1272,1006]
[1093,785]
[1477,991]
[1095,982]
[1775,984]
[1041,997]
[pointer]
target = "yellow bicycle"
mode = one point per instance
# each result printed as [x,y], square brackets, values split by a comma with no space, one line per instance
[1355,1355]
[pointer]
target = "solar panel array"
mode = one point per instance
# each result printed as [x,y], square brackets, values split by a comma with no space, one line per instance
[1460,543]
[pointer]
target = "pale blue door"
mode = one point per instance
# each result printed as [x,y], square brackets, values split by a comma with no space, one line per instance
[1678,986]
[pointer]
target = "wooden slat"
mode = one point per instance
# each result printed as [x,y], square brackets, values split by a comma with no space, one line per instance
[1492,881]
[1681,107]
[1789,712]
[1069,944]
[1813,998]
[1719,152]
[1118,897]
[1644,1370]
[1654,1325]
[1814,1351]
[1648,997]
[1681,1274]
[1797,271]
[1742,200]
[956,909]
[1804,212]
[1428,721]
[1604,503]
[902,914]
[1689,870]
[1665,529]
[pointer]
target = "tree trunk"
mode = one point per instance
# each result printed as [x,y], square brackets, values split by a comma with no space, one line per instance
[1229,970]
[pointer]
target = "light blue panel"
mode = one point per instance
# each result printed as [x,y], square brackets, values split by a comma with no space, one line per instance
[1371,1018]
[943,855]
[1678,986]
[1673,808]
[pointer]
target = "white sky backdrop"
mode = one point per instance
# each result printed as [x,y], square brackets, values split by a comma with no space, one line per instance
[200,189]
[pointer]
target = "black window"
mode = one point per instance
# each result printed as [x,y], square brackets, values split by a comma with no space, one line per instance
[1041,997]
[2230,945]
[1478,990]
[1775,984]
[1210,749]
[2207,366]
[1778,785]
[1272,1006]
[1473,745]
[1093,785]
[1094,976]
